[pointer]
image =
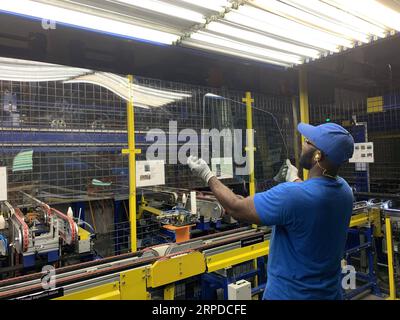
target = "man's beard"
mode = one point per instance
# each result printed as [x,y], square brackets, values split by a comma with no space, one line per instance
[306,160]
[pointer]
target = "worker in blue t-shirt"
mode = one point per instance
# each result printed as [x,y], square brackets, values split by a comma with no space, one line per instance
[310,219]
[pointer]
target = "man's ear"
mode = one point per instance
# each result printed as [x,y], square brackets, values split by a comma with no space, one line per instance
[317,156]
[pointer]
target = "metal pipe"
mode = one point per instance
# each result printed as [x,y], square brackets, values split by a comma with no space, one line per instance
[378,195]
[382,265]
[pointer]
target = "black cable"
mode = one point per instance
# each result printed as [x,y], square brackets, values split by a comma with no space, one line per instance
[218,97]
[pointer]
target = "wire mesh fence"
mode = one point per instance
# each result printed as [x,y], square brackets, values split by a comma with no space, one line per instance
[223,110]
[62,142]
[76,132]
[372,119]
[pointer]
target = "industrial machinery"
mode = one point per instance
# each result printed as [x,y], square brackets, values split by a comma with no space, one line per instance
[199,207]
[183,213]
[206,267]
[373,241]
[360,252]
[209,211]
[146,274]
[37,231]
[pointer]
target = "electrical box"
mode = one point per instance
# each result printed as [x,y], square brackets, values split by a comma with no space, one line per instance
[84,244]
[240,290]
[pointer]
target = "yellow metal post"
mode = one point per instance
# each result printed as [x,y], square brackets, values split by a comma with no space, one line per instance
[169,292]
[255,267]
[296,135]
[250,141]
[304,111]
[389,245]
[132,166]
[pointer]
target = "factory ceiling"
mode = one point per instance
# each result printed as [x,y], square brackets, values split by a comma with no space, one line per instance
[238,44]
[285,33]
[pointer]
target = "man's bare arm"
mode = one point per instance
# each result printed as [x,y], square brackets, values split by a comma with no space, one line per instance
[240,209]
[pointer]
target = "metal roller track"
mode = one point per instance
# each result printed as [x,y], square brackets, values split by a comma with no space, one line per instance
[111,259]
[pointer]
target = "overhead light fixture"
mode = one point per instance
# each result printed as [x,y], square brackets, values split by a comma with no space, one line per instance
[141,97]
[258,38]
[32,71]
[295,28]
[371,10]
[167,9]
[161,93]
[142,106]
[303,17]
[338,15]
[232,52]
[215,5]
[119,85]
[24,70]
[212,95]
[79,19]
[228,43]
[296,36]
[122,81]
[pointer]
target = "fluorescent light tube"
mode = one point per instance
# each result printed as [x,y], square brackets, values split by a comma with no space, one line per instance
[231,52]
[84,20]
[236,32]
[167,9]
[294,27]
[311,20]
[215,5]
[296,36]
[236,45]
[336,14]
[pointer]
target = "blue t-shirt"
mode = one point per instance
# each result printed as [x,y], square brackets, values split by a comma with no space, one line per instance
[310,220]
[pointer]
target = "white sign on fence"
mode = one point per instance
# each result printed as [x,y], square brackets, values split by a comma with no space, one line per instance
[363,153]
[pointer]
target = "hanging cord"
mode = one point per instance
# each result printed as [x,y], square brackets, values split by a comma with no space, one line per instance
[255,108]
[324,172]
[279,129]
[91,213]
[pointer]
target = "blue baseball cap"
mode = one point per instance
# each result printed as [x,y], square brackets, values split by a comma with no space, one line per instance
[332,139]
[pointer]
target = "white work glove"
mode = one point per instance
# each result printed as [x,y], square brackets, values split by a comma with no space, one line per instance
[292,173]
[200,168]
[287,172]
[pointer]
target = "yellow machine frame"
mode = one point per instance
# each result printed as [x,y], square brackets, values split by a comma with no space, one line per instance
[134,284]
